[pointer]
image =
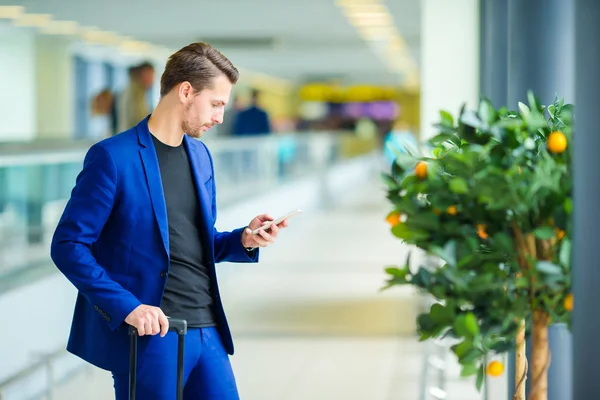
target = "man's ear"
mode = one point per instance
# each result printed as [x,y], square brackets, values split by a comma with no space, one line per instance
[185,91]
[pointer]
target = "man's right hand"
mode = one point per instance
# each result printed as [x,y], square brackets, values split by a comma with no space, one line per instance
[148,320]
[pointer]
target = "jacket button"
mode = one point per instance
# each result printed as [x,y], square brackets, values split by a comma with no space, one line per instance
[163,274]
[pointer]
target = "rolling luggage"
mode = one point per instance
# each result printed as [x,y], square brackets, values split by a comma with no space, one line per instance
[177,325]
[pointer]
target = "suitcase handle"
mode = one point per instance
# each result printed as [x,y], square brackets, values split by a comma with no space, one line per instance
[177,325]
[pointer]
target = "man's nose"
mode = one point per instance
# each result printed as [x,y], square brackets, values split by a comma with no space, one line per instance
[217,118]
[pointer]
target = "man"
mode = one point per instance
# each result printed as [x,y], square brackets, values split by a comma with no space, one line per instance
[253,120]
[133,102]
[137,239]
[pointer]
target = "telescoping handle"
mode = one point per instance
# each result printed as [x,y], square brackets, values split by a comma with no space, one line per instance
[177,325]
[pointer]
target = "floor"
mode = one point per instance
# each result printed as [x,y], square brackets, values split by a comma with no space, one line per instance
[310,322]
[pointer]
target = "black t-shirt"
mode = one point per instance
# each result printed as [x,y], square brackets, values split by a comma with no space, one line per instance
[187,293]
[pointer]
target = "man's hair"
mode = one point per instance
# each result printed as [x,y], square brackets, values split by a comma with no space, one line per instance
[196,63]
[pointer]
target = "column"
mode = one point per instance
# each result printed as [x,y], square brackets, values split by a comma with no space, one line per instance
[541,50]
[586,273]
[449,59]
[55,92]
[17,84]
[541,58]
[494,51]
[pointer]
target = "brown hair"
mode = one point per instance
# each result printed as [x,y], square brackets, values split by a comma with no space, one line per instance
[196,63]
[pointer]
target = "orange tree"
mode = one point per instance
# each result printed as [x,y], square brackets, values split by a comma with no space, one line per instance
[492,199]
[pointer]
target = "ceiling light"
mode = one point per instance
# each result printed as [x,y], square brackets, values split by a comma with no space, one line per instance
[60,28]
[376,33]
[33,20]
[135,46]
[97,36]
[380,20]
[11,12]
[365,8]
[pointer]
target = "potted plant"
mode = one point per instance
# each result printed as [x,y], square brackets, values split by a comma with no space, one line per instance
[491,197]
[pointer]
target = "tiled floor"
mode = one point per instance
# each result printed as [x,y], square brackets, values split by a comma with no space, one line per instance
[309,320]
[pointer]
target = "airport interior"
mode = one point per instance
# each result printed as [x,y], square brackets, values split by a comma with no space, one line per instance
[428,145]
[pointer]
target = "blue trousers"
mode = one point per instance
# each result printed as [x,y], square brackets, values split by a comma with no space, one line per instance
[207,370]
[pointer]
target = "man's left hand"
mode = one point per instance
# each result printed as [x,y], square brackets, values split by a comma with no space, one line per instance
[264,237]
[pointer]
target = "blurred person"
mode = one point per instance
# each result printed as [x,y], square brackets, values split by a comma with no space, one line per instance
[253,120]
[133,102]
[138,241]
[231,112]
[103,109]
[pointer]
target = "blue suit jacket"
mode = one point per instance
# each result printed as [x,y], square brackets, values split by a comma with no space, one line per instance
[112,242]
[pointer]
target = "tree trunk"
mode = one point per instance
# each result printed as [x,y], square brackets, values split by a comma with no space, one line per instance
[520,363]
[540,357]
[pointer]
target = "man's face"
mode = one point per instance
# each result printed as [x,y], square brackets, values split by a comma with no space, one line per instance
[206,108]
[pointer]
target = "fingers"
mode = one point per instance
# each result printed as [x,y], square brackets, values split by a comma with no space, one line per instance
[150,321]
[274,231]
[265,218]
[164,323]
[263,238]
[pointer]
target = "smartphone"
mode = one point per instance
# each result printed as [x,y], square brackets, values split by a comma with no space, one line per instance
[277,221]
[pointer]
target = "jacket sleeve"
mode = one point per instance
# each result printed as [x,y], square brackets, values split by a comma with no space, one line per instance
[228,245]
[82,221]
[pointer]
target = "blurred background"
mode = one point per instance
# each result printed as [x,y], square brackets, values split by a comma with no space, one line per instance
[328,89]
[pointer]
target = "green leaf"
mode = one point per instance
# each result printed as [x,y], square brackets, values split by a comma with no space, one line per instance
[471,324]
[549,268]
[395,271]
[468,370]
[524,109]
[401,231]
[388,180]
[459,185]
[422,278]
[462,348]
[466,325]
[447,119]
[487,113]
[448,253]
[544,232]
[568,205]
[533,104]
[471,356]
[503,242]
[471,119]
[564,255]
[480,377]
[441,315]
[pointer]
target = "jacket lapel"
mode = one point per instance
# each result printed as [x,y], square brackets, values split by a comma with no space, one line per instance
[153,179]
[198,167]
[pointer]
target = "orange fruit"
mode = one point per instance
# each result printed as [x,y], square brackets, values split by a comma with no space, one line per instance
[568,303]
[421,170]
[393,218]
[557,142]
[495,368]
[452,210]
[560,234]
[481,231]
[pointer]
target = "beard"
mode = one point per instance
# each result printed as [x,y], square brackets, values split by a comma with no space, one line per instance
[193,129]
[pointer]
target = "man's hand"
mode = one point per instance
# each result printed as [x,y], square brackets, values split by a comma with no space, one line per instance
[264,237]
[148,320]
